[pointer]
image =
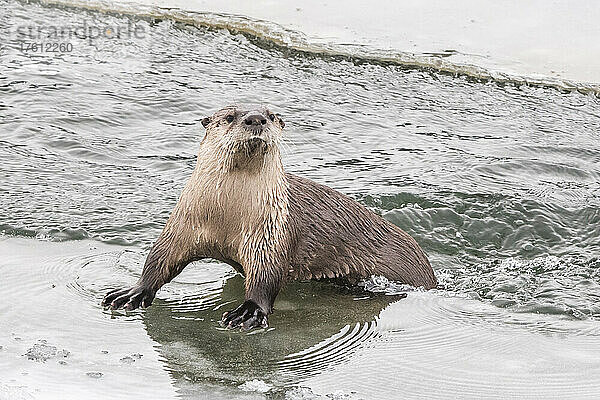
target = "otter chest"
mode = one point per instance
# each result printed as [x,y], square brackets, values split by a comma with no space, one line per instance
[242,217]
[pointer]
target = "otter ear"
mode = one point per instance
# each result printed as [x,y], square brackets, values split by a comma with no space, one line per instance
[205,121]
[281,121]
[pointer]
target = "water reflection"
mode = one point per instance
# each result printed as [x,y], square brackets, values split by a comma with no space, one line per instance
[315,324]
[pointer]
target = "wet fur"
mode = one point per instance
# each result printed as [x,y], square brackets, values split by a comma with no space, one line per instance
[242,208]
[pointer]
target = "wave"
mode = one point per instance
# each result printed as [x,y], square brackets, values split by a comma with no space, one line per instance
[276,35]
[565,286]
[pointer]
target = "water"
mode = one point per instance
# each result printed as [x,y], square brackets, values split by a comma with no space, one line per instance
[499,183]
[554,46]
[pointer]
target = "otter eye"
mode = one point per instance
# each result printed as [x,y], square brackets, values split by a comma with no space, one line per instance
[229,118]
[272,117]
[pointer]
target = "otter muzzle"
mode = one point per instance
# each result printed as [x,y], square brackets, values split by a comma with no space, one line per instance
[256,144]
[255,122]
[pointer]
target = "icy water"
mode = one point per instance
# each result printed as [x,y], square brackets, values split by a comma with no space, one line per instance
[499,183]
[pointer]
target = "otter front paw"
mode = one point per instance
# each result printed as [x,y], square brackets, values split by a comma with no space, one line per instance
[247,316]
[128,299]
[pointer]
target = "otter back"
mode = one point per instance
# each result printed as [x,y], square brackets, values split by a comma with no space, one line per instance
[335,236]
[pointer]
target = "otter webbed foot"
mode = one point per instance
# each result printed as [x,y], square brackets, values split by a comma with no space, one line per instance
[247,316]
[128,299]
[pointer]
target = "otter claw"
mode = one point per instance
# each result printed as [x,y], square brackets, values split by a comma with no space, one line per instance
[247,316]
[128,299]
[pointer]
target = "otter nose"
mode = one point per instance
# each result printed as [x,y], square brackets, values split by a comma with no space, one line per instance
[255,119]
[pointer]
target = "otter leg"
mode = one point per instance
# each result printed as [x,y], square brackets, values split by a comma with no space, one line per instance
[160,267]
[262,286]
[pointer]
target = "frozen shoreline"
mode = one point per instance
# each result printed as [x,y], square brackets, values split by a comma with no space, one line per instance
[519,43]
[532,38]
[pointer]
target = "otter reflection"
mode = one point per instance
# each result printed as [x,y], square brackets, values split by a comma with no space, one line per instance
[308,313]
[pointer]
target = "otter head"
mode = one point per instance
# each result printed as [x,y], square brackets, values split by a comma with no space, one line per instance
[242,136]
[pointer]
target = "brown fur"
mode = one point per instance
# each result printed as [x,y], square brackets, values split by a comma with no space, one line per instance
[240,207]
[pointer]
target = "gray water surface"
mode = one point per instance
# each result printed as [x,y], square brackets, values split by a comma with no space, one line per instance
[498,183]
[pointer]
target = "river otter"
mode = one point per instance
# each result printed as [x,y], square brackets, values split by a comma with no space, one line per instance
[242,208]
